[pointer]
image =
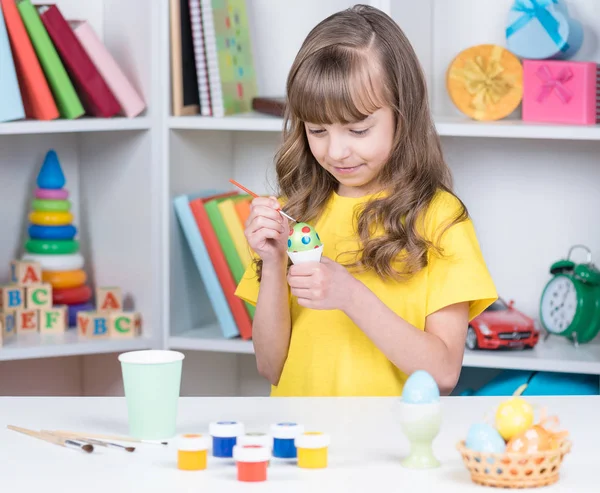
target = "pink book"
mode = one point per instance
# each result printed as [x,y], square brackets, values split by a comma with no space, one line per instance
[129,99]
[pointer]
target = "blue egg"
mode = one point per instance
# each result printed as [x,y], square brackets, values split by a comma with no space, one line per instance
[420,388]
[483,437]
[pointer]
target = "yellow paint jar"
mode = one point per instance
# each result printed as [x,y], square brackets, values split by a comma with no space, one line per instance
[312,447]
[192,450]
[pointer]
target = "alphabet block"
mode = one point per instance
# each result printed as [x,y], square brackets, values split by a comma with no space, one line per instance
[38,296]
[125,324]
[25,272]
[12,297]
[27,321]
[109,299]
[53,320]
[92,324]
[9,324]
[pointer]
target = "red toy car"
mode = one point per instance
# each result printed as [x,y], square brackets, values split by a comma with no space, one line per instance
[502,326]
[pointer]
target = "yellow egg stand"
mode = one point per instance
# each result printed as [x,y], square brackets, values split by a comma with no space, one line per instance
[513,468]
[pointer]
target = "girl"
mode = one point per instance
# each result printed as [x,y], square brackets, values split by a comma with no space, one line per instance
[402,273]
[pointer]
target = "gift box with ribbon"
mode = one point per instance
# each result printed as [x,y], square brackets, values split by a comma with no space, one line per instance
[485,82]
[560,92]
[543,29]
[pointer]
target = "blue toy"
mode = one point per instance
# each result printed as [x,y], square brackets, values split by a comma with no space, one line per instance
[38,232]
[51,175]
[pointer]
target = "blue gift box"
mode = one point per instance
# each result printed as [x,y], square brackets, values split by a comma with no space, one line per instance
[543,29]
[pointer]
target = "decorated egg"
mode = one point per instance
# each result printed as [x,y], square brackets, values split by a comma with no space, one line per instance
[513,417]
[420,388]
[302,237]
[484,438]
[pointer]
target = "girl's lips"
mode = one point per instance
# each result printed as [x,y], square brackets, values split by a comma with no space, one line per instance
[347,170]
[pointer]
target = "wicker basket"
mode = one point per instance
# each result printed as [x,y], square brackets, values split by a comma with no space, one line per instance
[512,470]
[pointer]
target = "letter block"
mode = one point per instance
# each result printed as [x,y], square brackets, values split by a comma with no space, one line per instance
[25,272]
[109,299]
[27,321]
[92,324]
[9,324]
[38,296]
[12,297]
[53,320]
[125,324]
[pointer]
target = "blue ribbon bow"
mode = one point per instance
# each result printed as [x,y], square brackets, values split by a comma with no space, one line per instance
[537,11]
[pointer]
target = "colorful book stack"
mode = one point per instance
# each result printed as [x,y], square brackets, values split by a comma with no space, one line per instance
[62,68]
[51,241]
[213,225]
[211,55]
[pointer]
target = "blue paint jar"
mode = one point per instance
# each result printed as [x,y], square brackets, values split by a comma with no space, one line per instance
[224,437]
[284,435]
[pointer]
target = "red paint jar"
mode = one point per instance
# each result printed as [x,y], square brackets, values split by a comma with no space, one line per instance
[252,462]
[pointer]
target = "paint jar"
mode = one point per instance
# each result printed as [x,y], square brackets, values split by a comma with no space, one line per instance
[252,462]
[224,435]
[192,450]
[284,435]
[312,450]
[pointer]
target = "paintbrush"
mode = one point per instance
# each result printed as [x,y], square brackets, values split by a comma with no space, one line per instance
[242,187]
[100,436]
[56,440]
[93,441]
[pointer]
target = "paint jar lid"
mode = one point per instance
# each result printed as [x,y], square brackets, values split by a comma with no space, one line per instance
[251,453]
[286,429]
[256,438]
[191,442]
[312,439]
[225,429]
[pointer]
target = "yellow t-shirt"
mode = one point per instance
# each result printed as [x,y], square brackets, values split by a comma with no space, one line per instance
[328,354]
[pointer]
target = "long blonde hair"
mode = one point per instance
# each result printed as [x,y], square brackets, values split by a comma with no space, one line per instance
[352,63]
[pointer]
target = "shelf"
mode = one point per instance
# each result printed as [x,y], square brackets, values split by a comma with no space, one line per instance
[209,339]
[555,354]
[446,126]
[74,126]
[253,122]
[31,346]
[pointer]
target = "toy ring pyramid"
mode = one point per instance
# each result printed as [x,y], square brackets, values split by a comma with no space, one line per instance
[51,241]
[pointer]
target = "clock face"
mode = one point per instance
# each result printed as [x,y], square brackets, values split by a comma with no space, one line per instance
[559,304]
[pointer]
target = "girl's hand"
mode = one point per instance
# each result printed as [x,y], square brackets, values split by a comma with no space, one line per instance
[324,285]
[267,230]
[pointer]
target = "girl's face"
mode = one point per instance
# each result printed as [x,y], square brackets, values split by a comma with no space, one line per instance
[354,153]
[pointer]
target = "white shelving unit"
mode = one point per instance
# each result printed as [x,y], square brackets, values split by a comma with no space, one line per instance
[530,188]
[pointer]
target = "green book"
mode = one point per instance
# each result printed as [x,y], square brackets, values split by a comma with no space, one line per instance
[67,100]
[227,245]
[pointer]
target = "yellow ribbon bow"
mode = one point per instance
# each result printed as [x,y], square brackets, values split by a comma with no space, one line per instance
[486,82]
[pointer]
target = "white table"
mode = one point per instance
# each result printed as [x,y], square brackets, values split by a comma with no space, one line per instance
[365,454]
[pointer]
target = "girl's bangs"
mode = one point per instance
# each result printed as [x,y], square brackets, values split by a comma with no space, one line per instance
[336,85]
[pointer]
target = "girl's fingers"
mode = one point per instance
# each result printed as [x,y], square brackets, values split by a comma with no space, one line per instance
[262,222]
[301,293]
[299,282]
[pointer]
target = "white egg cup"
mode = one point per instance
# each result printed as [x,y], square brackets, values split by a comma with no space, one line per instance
[313,255]
[420,423]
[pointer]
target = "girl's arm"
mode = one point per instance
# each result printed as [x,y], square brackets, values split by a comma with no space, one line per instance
[271,328]
[438,350]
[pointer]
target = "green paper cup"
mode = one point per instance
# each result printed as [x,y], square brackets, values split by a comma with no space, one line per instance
[152,381]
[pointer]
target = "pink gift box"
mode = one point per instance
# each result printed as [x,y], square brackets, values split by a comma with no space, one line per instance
[560,92]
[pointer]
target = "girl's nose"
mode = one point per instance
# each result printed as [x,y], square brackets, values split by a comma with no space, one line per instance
[338,148]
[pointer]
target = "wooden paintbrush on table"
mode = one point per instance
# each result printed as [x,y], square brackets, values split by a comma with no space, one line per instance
[93,441]
[100,436]
[56,440]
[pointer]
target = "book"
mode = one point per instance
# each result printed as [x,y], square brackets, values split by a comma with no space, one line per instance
[37,97]
[130,100]
[65,95]
[11,107]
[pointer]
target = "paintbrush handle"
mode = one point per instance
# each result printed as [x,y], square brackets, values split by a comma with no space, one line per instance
[49,437]
[100,436]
